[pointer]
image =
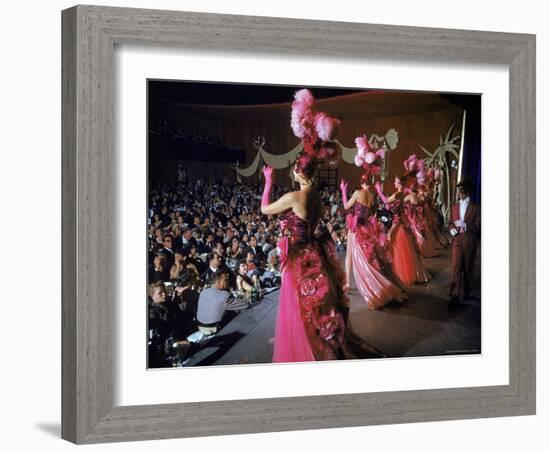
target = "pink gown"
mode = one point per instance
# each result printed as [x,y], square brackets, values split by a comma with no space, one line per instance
[425,240]
[406,262]
[313,309]
[369,257]
[432,220]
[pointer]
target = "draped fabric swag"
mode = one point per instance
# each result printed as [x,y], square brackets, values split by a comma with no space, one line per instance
[282,161]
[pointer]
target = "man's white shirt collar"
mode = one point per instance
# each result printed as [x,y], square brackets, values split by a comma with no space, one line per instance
[463,207]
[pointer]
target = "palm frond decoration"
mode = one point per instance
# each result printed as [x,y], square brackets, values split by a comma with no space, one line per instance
[439,158]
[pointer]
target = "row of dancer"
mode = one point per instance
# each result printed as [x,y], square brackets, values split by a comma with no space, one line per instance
[312,320]
[385,262]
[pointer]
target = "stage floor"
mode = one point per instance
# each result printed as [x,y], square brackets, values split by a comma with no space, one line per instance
[422,326]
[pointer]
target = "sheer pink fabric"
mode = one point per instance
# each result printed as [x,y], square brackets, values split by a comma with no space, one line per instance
[423,235]
[432,221]
[406,262]
[373,286]
[291,341]
[313,309]
[425,241]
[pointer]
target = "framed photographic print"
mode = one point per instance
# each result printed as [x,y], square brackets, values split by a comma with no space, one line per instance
[245,200]
[205,218]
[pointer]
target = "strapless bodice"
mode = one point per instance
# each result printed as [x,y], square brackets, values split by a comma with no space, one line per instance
[298,229]
[362,213]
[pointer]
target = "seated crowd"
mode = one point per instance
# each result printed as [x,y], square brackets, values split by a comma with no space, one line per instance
[211,255]
[168,128]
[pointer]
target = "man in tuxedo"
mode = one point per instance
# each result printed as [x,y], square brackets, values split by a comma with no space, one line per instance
[465,228]
[209,243]
[187,239]
[255,249]
[214,265]
[250,228]
[167,249]
[176,238]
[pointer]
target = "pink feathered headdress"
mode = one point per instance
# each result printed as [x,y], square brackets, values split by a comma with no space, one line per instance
[367,157]
[315,129]
[410,162]
[433,174]
[414,165]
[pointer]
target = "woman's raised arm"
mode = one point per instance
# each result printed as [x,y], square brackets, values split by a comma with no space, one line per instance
[352,200]
[285,202]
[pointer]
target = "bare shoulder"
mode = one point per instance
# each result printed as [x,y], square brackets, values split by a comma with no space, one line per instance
[369,196]
[291,196]
[294,198]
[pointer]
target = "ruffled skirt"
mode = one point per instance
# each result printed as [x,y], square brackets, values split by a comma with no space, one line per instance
[313,309]
[406,263]
[426,241]
[374,287]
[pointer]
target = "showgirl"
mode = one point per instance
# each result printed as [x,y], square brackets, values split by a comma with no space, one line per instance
[313,308]
[367,252]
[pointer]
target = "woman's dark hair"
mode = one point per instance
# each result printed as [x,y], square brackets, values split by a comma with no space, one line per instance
[308,170]
[407,177]
[365,179]
[163,261]
[245,275]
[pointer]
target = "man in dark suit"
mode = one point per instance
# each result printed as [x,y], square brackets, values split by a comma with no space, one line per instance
[255,249]
[209,243]
[465,227]
[167,249]
[187,239]
[214,265]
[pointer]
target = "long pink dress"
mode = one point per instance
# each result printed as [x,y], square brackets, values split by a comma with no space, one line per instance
[313,309]
[406,262]
[425,240]
[431,215]
[369,256]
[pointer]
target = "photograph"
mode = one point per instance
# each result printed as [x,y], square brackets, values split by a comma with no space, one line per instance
[275,225]
[293,224]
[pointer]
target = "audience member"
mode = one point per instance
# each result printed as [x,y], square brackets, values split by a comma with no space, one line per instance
[207,233]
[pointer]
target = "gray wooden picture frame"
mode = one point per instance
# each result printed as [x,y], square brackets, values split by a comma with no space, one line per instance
[89,37]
